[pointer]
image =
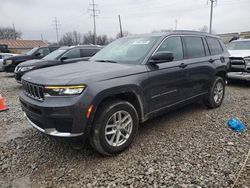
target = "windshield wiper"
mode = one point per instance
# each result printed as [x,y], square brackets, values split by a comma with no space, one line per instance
[106,61]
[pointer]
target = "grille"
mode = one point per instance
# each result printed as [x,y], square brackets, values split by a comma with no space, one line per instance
[237,61]
[33,90]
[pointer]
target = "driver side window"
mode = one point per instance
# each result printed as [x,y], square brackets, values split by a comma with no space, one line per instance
[174,45]
[43,52]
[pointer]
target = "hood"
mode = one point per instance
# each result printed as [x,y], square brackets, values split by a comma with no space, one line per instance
[239,53]
[20,58]
[33,62]
[81,73]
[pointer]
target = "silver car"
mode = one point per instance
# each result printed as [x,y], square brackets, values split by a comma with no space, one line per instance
[239,59]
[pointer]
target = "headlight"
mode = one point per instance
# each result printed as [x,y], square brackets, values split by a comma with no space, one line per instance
[23,69]
[247,60]
[9,61]
[64,90]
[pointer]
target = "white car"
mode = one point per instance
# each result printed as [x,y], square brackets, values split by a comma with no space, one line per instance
[239,59]
[4,56]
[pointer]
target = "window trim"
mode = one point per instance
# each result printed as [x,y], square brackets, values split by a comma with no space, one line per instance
[186,53]
[209,46]
[170,36]
[70,51]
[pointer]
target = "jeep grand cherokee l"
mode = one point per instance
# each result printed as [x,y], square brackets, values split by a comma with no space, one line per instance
[10,64]
[64,55]
[127,82]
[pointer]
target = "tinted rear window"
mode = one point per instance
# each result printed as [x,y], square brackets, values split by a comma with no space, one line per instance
[214,46]
[88,52]
[194,47]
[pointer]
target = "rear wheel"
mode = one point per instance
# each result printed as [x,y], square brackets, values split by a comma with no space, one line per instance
[115,127]
[216,93]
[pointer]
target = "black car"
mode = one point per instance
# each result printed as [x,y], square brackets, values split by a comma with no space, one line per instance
[128,82]
[60,56]
[10,64]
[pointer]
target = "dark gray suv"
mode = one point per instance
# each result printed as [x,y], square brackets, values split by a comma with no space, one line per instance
[127,82]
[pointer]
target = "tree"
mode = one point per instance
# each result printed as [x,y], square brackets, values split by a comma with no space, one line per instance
[204,29]
[124,33]
[88,38]
[71,38]
[9,33]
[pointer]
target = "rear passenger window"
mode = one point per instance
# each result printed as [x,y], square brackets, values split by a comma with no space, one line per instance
[88,52]
[74,53]
[174,45]
[214,46]
[194,47]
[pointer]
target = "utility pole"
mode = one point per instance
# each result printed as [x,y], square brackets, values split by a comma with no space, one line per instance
[94,13]
[14,31]
[211,14]
[120,25]
[57,25]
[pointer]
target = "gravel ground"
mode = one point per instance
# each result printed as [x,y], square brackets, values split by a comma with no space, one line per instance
[191,147]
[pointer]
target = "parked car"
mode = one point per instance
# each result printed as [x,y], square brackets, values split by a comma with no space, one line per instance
[4,56]
[60,56]
[127,82]
[10,64]
[239,59]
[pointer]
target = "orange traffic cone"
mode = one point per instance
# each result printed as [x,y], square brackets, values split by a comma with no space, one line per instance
[2,104]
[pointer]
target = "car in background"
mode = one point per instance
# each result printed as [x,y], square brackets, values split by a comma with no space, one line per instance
[63,55]
[239,59]
[10,64]
[4,56]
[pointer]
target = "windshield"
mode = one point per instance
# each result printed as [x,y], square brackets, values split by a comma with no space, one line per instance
[55,54]
[31,51]
[239,45]
[126,50]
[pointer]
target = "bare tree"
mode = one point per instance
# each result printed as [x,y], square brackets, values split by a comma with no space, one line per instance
[124,33]
[9,33]
[102,40]
[204,29]
[71,38]
[88,38]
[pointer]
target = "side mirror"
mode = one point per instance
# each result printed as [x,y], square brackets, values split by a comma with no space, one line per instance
[63,58]
[162,57]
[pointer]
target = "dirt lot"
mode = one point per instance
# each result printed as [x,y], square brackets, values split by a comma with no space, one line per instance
[191,147]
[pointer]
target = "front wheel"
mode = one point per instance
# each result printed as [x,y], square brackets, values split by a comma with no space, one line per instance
[115,127]
[216,93]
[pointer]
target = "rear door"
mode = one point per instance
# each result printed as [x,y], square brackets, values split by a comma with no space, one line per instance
[167,79]
[199,69]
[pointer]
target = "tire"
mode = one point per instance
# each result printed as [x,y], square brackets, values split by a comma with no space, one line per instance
[107,121]
[210,101]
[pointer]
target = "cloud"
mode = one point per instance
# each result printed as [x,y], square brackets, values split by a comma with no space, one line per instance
[34,17]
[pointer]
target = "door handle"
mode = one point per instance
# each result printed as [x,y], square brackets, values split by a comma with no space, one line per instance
[211,60]
[183,65]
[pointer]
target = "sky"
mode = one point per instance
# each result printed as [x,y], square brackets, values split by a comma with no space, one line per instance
[35,17]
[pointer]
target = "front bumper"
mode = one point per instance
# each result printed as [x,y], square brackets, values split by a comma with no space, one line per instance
[18,76]
[56,116]
[239,75]
[9,68]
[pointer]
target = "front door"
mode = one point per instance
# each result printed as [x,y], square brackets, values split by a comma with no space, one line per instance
[167,80]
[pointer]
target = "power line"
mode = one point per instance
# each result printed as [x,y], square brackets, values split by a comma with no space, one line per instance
[94,14]
[57,25]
